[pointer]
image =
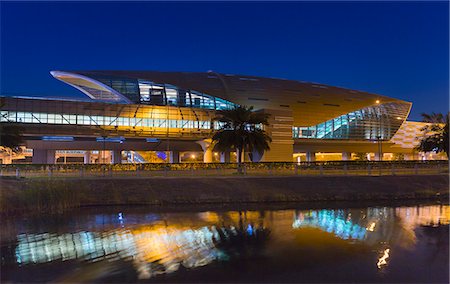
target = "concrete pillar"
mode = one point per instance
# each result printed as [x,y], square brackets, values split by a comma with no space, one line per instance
[208,155]
[51,156]
[131,156]
[246,157]
[87,157]
[409,157]
[346,156]
[116,157]
[378,156]
[225,157]
[104,157]
[174,157]
[7,159]
[43,156]
[256,156]
[310,156]
[207,146]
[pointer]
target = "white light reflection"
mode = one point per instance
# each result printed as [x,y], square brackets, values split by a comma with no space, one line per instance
[371,227]
[382,260]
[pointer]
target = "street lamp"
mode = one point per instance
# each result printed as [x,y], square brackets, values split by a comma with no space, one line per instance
[380,151]
[104,136]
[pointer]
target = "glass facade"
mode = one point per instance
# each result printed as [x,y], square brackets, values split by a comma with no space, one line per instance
[99,94]
[370,123]
[151,93]
[126,87]
[97,120]
[165,94]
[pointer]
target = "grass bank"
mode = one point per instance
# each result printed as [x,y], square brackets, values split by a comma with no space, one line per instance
[57,195]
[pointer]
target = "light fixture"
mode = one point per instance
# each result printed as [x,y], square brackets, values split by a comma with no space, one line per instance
[377,101]
[110,139]
[57,138]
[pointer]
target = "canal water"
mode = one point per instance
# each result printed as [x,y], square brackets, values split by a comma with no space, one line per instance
[375,244]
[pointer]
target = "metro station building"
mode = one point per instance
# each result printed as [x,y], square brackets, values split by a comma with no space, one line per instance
[126,113]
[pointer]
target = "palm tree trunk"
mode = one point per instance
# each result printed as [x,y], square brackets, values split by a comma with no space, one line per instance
[239,159]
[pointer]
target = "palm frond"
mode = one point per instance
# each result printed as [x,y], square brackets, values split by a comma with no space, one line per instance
[239,130]
[436,135]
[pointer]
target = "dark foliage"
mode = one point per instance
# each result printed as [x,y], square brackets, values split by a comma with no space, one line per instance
[240,129]
[436,134]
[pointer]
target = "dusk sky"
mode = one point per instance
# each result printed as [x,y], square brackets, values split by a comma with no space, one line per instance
[397,49]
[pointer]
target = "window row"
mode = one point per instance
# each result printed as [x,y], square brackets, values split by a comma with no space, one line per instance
[72,119]
[164,94]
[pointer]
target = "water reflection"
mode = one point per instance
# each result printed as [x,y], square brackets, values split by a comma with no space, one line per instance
[382,261]
[337,222]
[373,224]
[166,248]
[162,243]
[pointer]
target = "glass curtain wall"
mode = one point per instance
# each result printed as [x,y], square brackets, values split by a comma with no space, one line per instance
[165,94]
[100,120]
[147,92]
[127,87]
[370,123]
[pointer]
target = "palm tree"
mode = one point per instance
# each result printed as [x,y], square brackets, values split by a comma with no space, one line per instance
[10,138]
[433,117]
[435,134]
[240,129]
[10,134]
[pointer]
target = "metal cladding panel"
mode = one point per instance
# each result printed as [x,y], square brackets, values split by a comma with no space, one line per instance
[311,103]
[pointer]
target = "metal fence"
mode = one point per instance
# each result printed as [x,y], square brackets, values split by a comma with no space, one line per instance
[335,168]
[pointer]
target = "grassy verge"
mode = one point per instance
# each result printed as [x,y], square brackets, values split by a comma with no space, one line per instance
[57,195]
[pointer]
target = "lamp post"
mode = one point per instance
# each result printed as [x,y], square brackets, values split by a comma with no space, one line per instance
[104,149]
[380,150]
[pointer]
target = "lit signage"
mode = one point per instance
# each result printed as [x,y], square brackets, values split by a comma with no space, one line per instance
[110,139]
[57,138]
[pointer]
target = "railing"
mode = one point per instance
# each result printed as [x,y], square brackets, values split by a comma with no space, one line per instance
[335,168]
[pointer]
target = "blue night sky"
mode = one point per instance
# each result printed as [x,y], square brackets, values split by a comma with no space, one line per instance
[394,49]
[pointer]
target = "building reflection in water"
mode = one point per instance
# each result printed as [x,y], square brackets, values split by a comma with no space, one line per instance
[375,226]
[364,224]
[337,222]
[162,247]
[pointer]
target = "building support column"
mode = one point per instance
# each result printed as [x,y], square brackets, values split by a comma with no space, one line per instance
[408,157]
[207,155]
[256,156]
[87,157]
[104,157]
[346,156]
[378,157]
[207,146]
[116,157]
[225,157]
[310,156]
[174,157]
[7,159]
[43,156]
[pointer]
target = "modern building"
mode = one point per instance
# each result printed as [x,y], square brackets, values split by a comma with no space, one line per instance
[172,113]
